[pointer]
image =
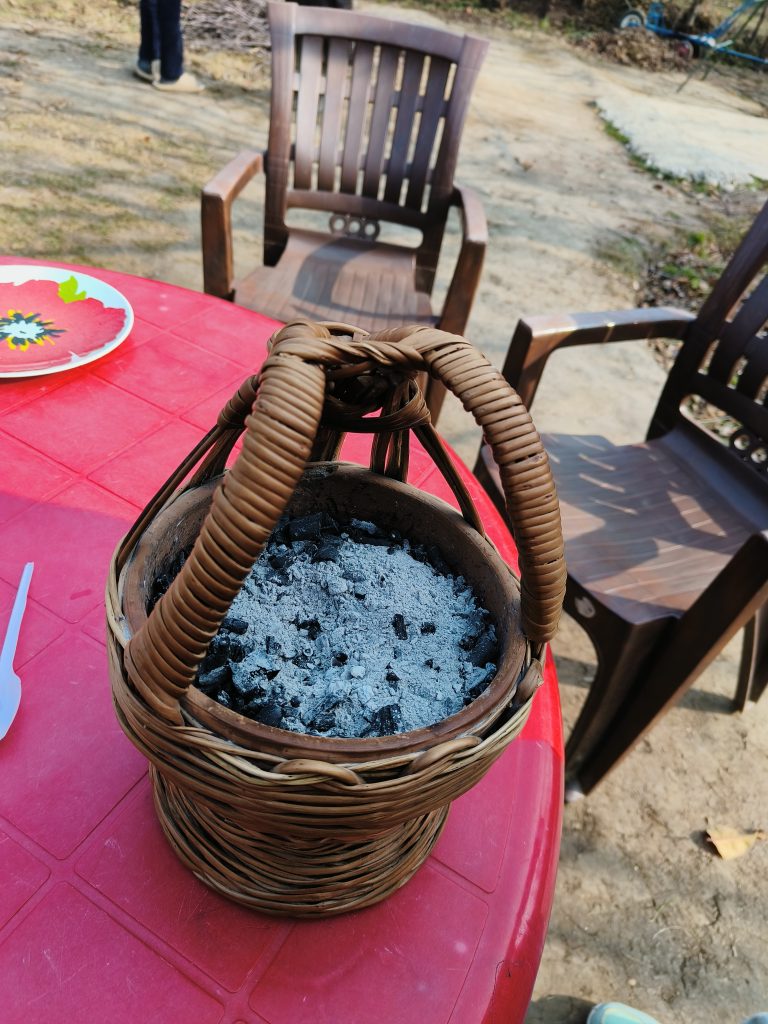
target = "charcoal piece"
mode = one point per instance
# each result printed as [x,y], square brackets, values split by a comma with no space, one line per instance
[217,655]
[367,529]
[392,676]
[485,648]
[270,714]
[398,624]
[480,687]
[233,624]
[236,651]
[280,532]
[248,686]
[437,561]
[428,627]
[323,722]
[307,527]
[386,720]
[301,660]
[313,628]
[223,697]
[217,679]
[327,551]
[295,701]
[279,559]
[272,673]
[340,659]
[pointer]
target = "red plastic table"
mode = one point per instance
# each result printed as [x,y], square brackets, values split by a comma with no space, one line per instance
[98,920]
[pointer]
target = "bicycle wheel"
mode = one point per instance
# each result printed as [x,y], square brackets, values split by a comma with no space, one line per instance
[632,19]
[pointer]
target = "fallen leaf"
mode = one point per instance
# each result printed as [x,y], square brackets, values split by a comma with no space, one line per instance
[730,842]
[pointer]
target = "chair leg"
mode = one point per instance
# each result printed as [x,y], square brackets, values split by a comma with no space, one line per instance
[489,485]
[677,664]
[753,669]
[434,394]
[621,649]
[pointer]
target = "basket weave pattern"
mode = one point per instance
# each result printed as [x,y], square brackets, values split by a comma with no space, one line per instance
[299,836]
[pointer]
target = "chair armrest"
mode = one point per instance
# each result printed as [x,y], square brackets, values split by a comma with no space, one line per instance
[469,265]
[536,338]
[216,220]
[466,276]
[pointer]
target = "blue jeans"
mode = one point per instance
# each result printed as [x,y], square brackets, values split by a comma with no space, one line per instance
[161,36]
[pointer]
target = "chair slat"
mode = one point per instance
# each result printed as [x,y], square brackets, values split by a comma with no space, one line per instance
[404,125]
[755,372]
[310,70]
[337,68]
[433,109]
[389,60]
[359,98]
[736,334]
[740,406]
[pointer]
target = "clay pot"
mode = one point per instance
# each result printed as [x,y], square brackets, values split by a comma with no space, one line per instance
[347,491]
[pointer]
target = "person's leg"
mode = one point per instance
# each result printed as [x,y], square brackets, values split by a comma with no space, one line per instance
[149,40]
[171,43]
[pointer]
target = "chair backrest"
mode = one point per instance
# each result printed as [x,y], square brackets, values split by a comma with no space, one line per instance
[366,119]
[724,357]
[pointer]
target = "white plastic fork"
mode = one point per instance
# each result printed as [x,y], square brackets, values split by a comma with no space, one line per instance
[10,684]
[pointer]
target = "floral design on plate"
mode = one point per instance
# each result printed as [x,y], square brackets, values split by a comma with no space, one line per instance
[52,319]
[21,331]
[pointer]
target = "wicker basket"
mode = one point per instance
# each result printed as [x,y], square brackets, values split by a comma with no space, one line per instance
[310,825]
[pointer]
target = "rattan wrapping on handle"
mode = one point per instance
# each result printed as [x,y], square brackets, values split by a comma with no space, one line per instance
[283,429]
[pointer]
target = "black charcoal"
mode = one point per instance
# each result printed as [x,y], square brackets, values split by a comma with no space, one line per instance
[215,680]
[233,624]
[306,528]
[270,714]
[327,551]
[398,624]
[386,721]
[485,649]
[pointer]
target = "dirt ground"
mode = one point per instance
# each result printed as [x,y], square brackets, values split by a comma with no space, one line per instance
[99,169]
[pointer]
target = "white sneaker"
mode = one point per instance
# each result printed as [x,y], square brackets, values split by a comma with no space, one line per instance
[185,83]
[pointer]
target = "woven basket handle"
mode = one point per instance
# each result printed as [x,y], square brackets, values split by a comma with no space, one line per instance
[282,428]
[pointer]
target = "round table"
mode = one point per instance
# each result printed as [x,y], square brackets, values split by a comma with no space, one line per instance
[98,919]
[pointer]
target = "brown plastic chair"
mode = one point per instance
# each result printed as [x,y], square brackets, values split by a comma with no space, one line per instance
[667,539]
[365,123]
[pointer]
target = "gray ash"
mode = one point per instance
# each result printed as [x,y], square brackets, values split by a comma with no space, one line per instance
[349,630]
